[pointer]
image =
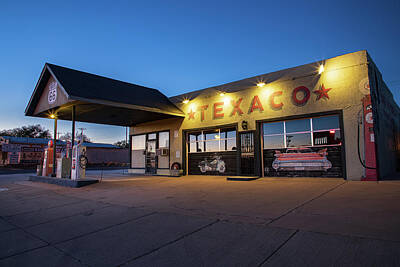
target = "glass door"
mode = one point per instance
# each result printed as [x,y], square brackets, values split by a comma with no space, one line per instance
[247,153]
[151,160]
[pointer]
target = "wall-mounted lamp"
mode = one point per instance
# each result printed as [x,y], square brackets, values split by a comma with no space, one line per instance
[52,116]
[261,84]
[321,69]
[221,94]
[185,101]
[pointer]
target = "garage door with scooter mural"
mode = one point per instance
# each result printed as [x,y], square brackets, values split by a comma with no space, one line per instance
[212,152]
[310,147]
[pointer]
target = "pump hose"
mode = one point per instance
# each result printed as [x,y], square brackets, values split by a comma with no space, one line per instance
[358,143]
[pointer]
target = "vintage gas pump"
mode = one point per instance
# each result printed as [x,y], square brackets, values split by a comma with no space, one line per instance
[369,141]
[79,161]
[48,161]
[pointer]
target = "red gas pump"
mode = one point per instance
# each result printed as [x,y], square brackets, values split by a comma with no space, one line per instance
[369,141]
[48,161]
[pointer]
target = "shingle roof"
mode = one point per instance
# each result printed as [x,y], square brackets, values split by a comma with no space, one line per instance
[99,99]
[79,84]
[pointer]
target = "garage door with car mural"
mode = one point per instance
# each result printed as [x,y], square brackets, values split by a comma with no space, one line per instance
[212,152]
[309,147]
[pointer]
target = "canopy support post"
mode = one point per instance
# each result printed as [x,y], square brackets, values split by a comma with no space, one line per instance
[73,127]
[55,148]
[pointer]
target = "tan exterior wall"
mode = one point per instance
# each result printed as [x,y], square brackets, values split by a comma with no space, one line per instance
[344,75]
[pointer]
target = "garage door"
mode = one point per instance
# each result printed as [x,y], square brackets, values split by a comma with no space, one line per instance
[307,147]
[212,152]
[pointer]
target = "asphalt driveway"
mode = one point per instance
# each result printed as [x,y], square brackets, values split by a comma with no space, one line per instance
[200,221]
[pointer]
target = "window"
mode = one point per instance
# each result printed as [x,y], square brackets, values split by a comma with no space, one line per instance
[138,142]
[152,136]
[163,140]
[212,140]
[274,134]
[318,131]
[298,126]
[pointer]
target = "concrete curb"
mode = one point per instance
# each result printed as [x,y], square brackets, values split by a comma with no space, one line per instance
[63,181]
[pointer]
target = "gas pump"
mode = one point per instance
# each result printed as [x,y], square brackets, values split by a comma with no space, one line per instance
[48,161]
[369,141]
[79,161]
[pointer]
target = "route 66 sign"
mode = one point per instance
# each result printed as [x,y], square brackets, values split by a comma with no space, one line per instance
[52,95]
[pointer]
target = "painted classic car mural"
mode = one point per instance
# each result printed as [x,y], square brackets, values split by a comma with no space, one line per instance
[317,161]
[301,159]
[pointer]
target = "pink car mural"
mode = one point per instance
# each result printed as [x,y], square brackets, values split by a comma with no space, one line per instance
[301,159]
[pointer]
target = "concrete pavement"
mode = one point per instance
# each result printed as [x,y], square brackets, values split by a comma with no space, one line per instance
[200,221]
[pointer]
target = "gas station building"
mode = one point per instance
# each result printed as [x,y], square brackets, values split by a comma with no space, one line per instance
[331,118]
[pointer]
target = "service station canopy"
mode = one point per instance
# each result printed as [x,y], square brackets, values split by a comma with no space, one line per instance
[96,99]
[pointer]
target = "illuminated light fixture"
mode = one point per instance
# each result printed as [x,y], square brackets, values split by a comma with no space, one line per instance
[332,131]
[217,136]
[321,69]
[52,116]
[185,101]
[221,94]
[261,84]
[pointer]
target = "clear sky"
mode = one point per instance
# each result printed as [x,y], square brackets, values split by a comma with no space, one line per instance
[179,46]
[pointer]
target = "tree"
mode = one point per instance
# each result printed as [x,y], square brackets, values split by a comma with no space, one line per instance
[32,131]
[68,137]
[122,144]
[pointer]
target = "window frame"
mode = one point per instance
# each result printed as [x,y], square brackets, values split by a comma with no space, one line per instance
[202,143]
[311,132]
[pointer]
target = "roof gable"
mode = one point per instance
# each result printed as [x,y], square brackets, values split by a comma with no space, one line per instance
[97,99]
[86,86]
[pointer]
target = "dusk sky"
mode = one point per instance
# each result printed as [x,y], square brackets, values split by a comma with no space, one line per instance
[180,46]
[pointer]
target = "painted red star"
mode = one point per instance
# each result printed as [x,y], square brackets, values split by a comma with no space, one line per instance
[191,114]
[322,92]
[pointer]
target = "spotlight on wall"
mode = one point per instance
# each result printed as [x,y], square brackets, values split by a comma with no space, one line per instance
[261,84]
[185,101]
[321,69]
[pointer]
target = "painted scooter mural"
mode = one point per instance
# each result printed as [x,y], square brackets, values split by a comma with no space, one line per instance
[217,164]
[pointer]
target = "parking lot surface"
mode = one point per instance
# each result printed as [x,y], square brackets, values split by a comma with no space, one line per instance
[199,221]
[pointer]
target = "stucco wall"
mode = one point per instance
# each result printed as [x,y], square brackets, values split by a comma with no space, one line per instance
[343,75]
[387,122]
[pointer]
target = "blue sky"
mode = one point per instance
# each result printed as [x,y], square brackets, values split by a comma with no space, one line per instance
[179,46]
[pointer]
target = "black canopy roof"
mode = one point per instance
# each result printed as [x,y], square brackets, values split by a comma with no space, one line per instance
[102,100]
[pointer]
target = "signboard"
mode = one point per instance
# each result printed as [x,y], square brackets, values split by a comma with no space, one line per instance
[52,95]
[238,106]
[11,148]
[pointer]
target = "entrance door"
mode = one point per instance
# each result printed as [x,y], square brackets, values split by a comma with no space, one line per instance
[151,160]
[247,153]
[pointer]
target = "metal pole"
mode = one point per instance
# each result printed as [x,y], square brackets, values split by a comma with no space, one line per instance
[73,127]
[55,148]
[126,136]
